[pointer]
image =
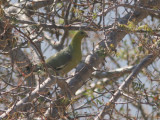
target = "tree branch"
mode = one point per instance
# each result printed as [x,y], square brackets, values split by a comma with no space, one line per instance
[145,62]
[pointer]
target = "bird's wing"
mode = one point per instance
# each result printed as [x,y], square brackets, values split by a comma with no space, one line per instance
[60,59]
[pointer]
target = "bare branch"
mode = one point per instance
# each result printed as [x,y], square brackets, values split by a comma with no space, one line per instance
[145,62]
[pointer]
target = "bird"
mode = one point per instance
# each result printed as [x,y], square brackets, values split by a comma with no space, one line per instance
[65,60]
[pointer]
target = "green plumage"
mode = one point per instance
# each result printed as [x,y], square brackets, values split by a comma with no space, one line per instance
[68,58]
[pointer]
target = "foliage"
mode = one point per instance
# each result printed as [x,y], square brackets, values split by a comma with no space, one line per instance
[117,78]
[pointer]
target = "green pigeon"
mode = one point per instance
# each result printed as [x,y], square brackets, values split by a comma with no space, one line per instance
[68,58]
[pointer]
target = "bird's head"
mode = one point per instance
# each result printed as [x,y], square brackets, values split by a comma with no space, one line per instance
[78,37]
[82,33]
